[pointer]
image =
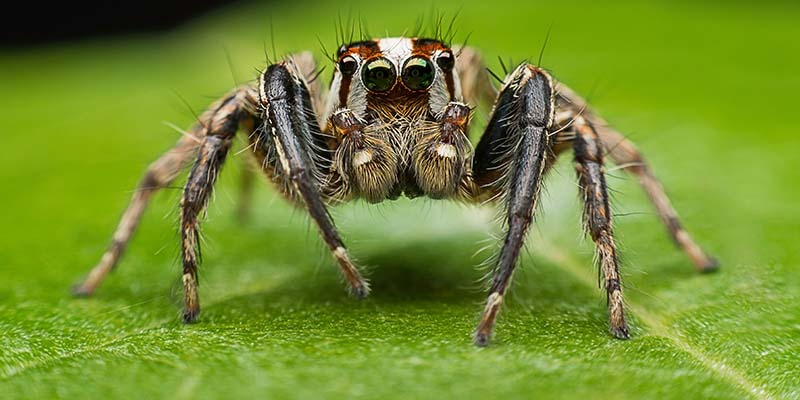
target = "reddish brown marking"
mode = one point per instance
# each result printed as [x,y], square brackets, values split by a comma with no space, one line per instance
[427,46]
[365,49]
[344,89]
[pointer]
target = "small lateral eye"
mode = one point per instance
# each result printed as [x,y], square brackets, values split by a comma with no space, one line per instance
[446,61]
[378,75]
[418,73]
[348,65]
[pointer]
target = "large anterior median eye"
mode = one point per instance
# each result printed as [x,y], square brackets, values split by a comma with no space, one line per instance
[378,75]
[418,73]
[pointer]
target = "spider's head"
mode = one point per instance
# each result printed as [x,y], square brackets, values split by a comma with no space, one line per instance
[395,76]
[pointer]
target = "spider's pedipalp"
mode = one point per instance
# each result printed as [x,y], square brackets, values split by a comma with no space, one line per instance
[440,156]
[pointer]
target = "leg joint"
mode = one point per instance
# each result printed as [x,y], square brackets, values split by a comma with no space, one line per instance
[277,83]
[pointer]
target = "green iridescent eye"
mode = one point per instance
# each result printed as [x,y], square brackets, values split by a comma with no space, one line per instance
[418,73]
[378,75]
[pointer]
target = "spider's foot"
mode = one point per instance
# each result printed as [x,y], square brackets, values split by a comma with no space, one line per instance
[481,339]
[190,316]
[703,262]
[82,291]
[360,291]
[711,264]
[91,282]
[356,284]
[620,332]
[484,332]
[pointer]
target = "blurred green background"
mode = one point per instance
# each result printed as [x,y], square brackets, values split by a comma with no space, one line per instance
[708,91]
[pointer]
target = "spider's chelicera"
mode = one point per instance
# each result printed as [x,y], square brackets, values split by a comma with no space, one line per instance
[394,122]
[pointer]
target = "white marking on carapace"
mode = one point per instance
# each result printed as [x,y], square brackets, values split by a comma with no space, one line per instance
[438,95]
[362,157]
[357,98]
[446,150]
[397,50]
[332,101]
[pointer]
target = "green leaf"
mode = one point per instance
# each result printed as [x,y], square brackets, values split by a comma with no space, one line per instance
[707,91]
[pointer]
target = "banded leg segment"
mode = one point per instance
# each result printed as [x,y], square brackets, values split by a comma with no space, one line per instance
[232,111]
[597,219]
[195,197]
[159,175]
[291,131]
[625,154]
[519,129]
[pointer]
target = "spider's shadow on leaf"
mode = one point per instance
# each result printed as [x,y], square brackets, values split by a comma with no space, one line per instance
[417,274]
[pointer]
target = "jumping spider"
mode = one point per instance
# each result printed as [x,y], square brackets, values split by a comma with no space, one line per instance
[394,122]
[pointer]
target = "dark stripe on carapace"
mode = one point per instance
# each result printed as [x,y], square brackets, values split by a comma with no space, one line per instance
[450,83]
[344,89]
[364,49]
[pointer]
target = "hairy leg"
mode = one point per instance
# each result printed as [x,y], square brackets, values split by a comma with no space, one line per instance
[220,130]
[597,219]
[625,154]
[511,158]
[306,67]
[159,175]
[291,145]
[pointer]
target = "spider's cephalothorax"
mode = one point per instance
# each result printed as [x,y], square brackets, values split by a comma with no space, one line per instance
[399,127]
[394,122]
